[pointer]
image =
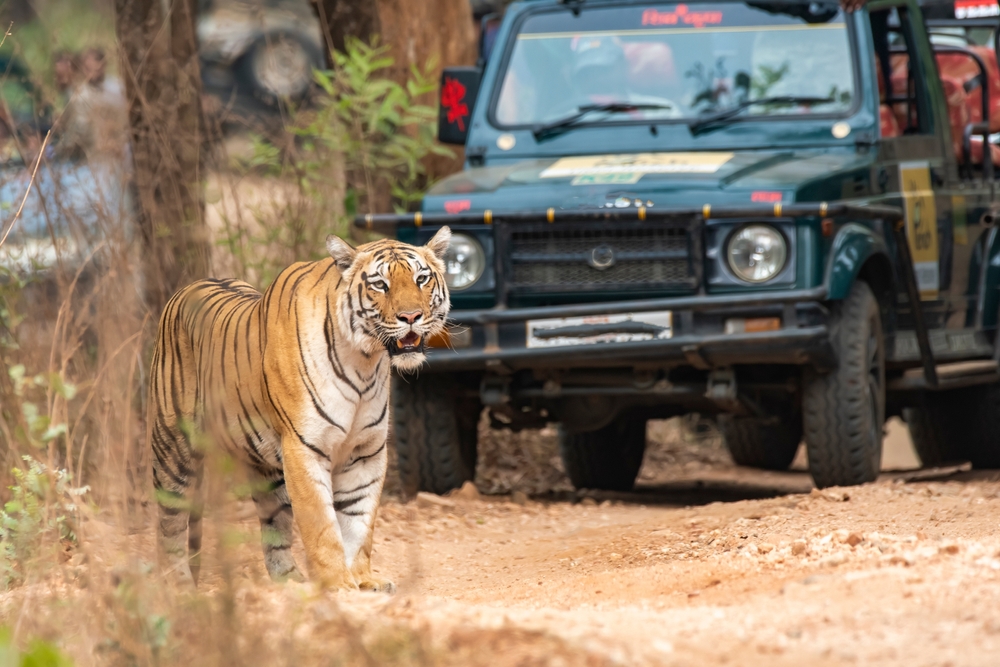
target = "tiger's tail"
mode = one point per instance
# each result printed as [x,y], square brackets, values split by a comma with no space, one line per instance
[173,421]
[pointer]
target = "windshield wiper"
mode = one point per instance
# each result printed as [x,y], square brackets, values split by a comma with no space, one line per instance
[544,130]
[726,114]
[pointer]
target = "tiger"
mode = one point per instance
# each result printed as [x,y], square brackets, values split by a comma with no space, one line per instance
[294,383]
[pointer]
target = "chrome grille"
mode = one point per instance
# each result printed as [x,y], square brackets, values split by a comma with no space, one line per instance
[554,259]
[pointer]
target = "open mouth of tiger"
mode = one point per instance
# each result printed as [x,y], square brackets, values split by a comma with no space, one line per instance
[408,344]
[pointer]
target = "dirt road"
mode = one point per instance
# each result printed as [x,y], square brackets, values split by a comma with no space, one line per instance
[705,564]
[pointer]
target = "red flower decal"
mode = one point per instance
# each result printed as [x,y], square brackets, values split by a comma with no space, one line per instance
[452,94]
[457,205]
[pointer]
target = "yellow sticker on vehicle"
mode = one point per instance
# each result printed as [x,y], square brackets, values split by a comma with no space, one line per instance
[635,165]
[921,225]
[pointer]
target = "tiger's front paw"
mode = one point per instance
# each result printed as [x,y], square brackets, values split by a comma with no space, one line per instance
[377,585]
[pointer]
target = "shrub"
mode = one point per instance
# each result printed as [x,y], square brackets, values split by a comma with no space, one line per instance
[37,523]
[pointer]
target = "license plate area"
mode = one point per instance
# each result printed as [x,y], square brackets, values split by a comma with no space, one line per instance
[595,329]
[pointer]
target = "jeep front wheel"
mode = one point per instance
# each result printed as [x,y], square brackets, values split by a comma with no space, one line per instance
[843,411]
[608,458]
[435,433]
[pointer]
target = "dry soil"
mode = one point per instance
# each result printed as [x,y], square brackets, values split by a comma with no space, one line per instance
[704,564]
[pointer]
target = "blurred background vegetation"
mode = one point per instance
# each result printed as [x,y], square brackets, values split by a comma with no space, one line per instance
[145,144]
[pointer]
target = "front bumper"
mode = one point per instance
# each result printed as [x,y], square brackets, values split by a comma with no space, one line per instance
[499,336]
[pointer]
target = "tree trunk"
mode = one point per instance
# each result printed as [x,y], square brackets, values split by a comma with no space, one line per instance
[159,63]
[416,31]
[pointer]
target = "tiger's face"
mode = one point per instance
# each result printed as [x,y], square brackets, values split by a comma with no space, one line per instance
[396,296]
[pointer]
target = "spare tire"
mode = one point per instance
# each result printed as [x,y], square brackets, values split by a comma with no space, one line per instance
[279,66]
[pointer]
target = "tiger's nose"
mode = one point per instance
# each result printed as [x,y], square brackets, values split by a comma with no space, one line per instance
[410,317]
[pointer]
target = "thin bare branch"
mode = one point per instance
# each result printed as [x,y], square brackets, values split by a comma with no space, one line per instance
[34,173]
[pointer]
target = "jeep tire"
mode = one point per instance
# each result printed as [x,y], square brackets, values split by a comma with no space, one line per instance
[765,443]
[435,433]
[937,428]
[843,411]
[608,458]
[963,424]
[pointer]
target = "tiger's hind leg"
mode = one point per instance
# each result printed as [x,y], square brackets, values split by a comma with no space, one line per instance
[175,477]
[274,509]
[173,418]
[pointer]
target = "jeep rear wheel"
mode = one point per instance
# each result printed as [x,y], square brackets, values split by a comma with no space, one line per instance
[938,427]
[843,411]
[608,458]
[957,425]
[435,433]
[768,444]
[983,444]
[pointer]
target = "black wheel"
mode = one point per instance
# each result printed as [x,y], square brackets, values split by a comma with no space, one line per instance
[982,446]
[939,428]
[958,425]
[435,432]
[608,458]
[843,411]
[279,66]
[769,444]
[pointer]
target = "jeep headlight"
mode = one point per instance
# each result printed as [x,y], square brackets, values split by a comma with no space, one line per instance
[757,253]
[464,262]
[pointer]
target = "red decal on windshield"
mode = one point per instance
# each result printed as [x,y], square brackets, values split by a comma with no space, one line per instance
[765,197]
[452,94]
[457,205]
[680,15]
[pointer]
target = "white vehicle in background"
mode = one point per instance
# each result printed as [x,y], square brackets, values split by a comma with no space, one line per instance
[264,49]
[72,208]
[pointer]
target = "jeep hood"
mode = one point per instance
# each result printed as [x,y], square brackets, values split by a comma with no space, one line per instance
[659,179]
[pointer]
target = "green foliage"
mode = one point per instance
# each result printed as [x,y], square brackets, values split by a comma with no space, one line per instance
[358,148]
[38,518]
[136,631]
[39,654]
[374,125]
[40,430]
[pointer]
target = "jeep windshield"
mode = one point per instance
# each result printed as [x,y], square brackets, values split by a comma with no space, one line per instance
[676,62]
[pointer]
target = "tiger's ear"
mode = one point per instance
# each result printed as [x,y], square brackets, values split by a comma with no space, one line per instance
[439,242]
[342,253]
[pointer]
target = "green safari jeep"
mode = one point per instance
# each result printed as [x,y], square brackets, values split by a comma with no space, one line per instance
[781,213]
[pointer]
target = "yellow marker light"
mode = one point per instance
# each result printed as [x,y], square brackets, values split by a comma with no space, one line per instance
[418,219]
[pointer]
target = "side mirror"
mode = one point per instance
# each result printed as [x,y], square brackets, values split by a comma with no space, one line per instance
[459,88]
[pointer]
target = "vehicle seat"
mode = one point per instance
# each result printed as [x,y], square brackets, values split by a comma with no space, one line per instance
[965,70]
[899,75]
[958,113]
[888,125]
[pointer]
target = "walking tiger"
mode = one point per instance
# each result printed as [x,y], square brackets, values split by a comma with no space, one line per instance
[293,382]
